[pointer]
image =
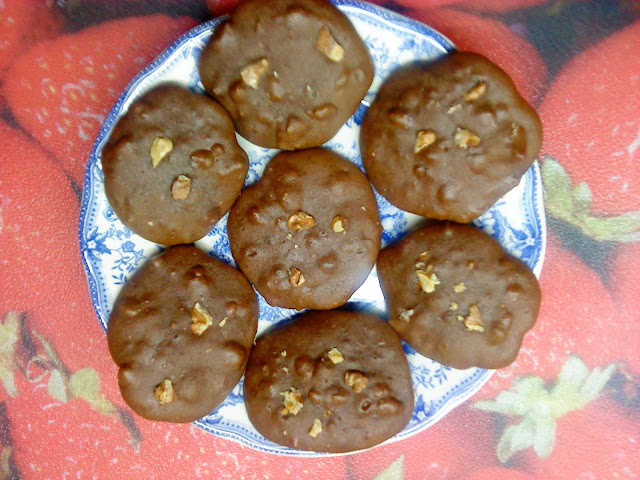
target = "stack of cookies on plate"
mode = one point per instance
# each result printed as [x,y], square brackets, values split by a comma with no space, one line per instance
[443,140]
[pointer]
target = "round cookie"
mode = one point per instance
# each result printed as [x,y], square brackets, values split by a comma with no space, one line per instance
[172,166]
[456,134]
[289,72]
[180,331]
[307,234]
[457,297]
[329,382]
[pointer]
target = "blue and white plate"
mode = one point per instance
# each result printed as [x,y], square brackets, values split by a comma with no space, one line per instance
[112,253]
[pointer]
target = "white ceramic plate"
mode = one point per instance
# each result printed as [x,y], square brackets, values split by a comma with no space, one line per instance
[112,253]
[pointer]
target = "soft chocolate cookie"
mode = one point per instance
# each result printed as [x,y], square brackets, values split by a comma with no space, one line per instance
[456,135]
[308,232]
[172,167]
[457,297]
[290,72]
[329,382]
[180,331]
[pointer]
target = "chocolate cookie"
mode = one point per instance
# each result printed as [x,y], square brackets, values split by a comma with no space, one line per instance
[457,297]
[456,134]
[290,72]
[180,331]
[172,167]
[308,233]
[329,382]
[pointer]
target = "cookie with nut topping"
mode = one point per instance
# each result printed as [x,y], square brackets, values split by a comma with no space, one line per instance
[456,133]
[290,72]
[180,332]
[307,234]
[457,297]
[172,166]
[329,382]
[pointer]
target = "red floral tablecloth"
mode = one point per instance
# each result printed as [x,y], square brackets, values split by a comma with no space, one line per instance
[567,409]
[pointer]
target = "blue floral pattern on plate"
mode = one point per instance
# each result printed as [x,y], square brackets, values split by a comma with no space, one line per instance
[112,253]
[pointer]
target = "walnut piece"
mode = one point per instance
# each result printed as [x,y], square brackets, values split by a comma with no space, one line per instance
[335,356]
[473,321]
[200,319]
[164,392]
[337,224]
[460,287]
[406,315]
[160,148]
[300,221]
[454,306]
[181,188]
[466,138]
[356,380]
[427,281]
[293,402]
[252,73]
[296,278]
[316,428]
[329,46]
[422,258]
[424,139]
[476,92]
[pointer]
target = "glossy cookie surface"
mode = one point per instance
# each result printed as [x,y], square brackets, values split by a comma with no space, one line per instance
[308,232]
[329,382]
[456,133]
[289,72]
[180,331]
[172,166]
[457,297]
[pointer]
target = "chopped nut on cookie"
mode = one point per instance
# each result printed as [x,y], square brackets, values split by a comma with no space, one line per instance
[329,46]
[296,278]
[475,92]
[427,280]
[181,188]
[335,356]
[252,73]
[316,428]
[356,380]
[466,138]
[200,319]
[300,221]
[424,139]
[160,148]
[337,224]
[293,402]
[473,321]
[164,392]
